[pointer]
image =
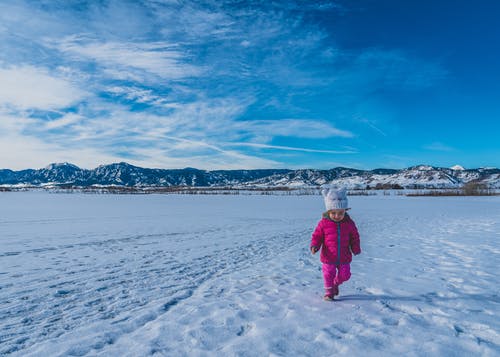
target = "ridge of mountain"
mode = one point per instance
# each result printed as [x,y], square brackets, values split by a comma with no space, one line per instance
[124,174]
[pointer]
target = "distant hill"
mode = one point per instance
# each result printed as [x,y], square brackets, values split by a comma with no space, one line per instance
[126,175]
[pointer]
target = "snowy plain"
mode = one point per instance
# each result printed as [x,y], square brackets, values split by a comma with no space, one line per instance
[179,275]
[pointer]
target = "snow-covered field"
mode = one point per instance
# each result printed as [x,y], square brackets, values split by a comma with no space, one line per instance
[177,275]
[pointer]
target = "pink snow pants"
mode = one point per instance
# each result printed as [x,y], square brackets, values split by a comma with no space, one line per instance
[335,274]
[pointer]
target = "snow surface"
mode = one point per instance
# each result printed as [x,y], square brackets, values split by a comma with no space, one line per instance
[179,275]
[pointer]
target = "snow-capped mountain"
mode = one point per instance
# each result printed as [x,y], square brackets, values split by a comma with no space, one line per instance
[123,174]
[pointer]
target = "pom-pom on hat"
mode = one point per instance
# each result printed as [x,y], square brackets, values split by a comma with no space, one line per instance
[335,198]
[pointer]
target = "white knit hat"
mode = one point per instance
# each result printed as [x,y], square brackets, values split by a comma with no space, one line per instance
[335,198]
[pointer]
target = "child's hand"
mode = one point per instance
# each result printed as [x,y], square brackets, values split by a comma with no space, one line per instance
[314,250]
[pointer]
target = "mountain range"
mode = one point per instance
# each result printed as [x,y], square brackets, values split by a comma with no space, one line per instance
[126,175]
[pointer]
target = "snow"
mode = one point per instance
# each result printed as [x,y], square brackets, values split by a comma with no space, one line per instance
[457,168]
[57,165]
[189,275]
[421,168]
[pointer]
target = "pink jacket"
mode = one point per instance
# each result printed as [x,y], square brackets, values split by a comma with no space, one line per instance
[335,250]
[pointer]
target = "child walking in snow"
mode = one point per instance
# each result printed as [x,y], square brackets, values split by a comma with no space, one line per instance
[337,237]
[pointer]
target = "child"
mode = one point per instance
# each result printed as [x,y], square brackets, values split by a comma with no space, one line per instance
[337,236]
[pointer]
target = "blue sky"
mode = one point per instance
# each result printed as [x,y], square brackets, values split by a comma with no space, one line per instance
[261,84]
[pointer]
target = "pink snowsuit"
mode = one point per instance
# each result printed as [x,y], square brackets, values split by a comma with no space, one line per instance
[337,241]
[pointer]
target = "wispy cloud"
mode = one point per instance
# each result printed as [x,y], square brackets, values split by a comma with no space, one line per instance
[372,124]
[289,148]
[302,128]
[438,146]
[159,58]
[64,121]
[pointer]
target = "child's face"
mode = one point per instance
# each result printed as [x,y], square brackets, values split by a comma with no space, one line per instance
[336,214]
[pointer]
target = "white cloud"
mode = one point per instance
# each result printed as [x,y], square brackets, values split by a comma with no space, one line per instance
[68,119]
[158,58]
[140,95]
[29,87]
[100,141]
[204,134]
[20,151]
[210,160]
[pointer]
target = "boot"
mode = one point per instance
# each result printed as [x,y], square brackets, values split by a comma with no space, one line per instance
[329,294]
